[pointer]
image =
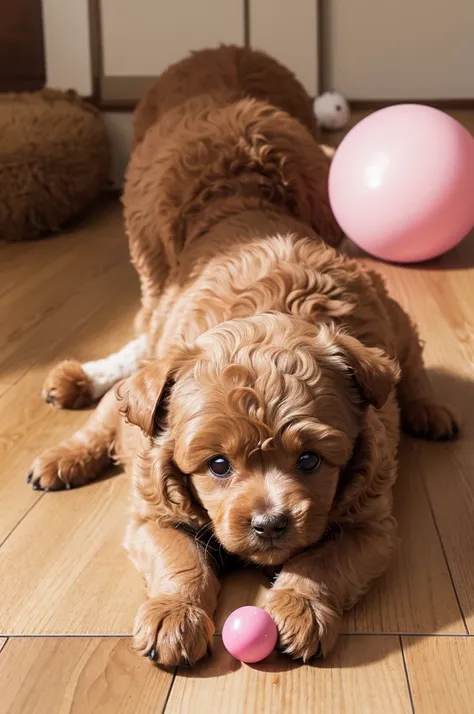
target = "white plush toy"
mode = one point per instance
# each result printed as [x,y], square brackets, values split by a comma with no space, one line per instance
[331,110]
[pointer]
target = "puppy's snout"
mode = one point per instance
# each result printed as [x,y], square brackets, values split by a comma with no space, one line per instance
[269,525]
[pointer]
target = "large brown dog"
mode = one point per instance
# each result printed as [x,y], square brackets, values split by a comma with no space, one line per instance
[264,423]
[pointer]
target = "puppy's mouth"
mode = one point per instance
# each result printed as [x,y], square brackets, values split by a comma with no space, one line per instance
[269,551]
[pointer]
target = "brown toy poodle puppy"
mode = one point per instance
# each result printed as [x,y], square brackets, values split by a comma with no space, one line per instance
[261,398]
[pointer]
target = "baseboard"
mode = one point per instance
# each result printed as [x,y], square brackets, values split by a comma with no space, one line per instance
[119,106]
[129,105]
[444,104]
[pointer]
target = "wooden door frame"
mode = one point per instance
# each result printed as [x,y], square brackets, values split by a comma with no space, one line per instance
[14,82]
[127,105]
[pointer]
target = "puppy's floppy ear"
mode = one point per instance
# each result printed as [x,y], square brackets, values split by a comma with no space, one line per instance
[143,401]
[142,397]
[178,503]
[374,372]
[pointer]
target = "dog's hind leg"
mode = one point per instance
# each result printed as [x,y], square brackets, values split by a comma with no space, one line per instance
[84,456]
[421,414]
[72,385]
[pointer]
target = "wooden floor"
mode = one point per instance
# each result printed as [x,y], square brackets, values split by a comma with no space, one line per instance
[68,594]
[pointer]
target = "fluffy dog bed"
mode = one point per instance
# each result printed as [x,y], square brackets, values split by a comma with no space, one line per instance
[54,157]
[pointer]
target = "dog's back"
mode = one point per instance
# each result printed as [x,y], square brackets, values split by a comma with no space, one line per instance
[222,76]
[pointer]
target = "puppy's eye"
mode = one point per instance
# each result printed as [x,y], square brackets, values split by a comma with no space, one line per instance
[308,461]
[220,466]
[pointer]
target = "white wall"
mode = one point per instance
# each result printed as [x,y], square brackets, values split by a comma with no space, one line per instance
[143,37]
[119,130]
[67,45]
[400,49]
[288,30]
[376,49]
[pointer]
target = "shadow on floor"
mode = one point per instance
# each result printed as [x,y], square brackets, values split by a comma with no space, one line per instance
[459,258]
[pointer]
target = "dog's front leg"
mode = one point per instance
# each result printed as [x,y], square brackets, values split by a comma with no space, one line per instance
[314,588]
[175,624]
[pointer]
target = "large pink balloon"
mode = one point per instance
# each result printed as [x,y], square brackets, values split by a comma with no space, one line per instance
[401,184]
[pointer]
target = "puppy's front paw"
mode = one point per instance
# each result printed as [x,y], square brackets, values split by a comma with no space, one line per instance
[307,628]
[171,631]
[70,464]
[67,386]
[57,468]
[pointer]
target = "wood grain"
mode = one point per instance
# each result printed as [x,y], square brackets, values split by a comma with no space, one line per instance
[440,673]
[55,299]
[89,321]
[365,675]
[83,675]
[25,419]
[3,642]
[242,587]
[63,569]
[416,594]
[439,298]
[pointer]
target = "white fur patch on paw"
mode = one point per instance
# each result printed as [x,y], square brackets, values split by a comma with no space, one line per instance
[105,373]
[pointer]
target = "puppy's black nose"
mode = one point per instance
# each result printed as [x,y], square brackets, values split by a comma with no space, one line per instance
[269,525]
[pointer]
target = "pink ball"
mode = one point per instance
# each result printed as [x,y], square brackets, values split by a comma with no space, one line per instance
[249,634]
[401,184]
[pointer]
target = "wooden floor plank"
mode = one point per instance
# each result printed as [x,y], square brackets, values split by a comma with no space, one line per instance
[24,418]
[101,237]
[449,479]
[67,299]
[42,340]
[416,594]
[440,673]
[3,642]
[441,303]
[83,675]
[242,587]
[63,569]
[16,259]
[364,676]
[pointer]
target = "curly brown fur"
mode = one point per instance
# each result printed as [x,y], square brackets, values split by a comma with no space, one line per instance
[226,74]
[84,456]
[264,344]
[220,134]
[229,130]
[67,386]
[54,160]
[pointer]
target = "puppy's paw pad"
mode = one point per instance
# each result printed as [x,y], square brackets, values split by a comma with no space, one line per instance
[429,420]
[171,631]
[67,386]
